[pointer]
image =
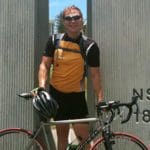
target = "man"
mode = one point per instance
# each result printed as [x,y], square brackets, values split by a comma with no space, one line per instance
[67,79]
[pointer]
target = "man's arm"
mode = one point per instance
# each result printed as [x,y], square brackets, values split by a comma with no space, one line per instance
[96,81]
[44,70]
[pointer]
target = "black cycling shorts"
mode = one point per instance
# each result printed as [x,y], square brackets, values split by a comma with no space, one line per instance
[71,105]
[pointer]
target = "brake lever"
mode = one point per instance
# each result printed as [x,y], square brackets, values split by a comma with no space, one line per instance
[112,116]
[118,111]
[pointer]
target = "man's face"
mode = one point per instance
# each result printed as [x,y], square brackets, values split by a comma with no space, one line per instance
[73,21]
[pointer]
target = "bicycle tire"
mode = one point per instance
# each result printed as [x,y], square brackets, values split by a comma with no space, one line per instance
[18,139]
[123,141]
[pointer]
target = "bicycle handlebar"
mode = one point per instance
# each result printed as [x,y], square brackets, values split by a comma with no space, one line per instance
[112,106]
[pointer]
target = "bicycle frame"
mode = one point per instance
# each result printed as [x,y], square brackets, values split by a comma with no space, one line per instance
[104,126]
[81,145]
[43,124]
[106,139]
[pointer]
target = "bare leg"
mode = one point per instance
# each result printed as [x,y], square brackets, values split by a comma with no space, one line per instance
[62,134]
[82,132]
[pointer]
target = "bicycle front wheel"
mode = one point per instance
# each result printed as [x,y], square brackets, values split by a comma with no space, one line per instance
[19,139]
[121,141]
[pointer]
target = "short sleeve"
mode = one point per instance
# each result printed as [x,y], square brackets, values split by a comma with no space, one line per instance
[93,56]
[49,48]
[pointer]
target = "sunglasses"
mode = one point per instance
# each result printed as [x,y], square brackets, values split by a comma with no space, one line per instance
[69,18]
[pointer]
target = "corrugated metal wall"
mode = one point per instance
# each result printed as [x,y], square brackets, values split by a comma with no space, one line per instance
[122,30]
[17,44]
[23,34]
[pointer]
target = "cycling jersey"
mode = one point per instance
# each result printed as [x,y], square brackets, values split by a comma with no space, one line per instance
[68,69]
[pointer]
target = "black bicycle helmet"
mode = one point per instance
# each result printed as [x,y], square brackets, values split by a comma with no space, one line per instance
[45,104]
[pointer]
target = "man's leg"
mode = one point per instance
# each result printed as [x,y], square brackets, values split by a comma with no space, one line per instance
[62,136]
[82,132]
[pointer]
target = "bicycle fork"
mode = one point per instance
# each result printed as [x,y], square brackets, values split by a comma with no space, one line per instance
[108,141]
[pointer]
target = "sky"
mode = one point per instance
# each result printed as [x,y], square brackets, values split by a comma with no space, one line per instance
[56,6]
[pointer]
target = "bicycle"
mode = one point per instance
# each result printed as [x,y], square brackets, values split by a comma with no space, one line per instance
[106,139]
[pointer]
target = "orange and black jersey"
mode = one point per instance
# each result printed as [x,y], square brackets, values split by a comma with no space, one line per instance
[68,72]
[93,57]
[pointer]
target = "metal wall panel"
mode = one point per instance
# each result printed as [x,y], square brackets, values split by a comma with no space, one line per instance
[17,61]
[23,34]
[122,31]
